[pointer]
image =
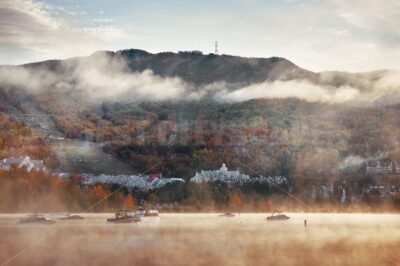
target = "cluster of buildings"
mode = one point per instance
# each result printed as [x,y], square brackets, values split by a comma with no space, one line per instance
[351,192]
[152,181]
[382,191]
[223,174]
[382,188]
[277,180]
[19,162]
[140,182]
[235,178]
[322,191]
[382,167]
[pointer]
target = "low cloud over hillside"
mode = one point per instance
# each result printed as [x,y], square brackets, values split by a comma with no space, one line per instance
[135,75]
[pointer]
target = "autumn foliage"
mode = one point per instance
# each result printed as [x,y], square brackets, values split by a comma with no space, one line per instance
[18,139]
[23,191]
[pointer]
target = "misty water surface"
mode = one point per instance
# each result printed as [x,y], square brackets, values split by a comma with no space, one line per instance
[206,239]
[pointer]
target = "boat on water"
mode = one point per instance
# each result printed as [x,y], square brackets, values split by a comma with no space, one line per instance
[151,213]
[124,217]
[59,214]
[148,214]
[277,216]
[35,219]
[140,211]
[227,214]
[72,217]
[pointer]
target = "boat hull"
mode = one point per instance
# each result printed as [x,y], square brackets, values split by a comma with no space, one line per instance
[72,217]
[280,217]
[36,222]
[123,220]
[227,215]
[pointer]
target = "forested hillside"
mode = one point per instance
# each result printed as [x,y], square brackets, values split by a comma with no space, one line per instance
[188,111]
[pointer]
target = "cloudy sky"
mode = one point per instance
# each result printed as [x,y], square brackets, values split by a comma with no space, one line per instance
[356,35]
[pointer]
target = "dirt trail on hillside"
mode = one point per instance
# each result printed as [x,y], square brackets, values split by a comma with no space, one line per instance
[76,156]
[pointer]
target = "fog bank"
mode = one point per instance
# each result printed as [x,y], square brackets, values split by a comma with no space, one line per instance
[106,78]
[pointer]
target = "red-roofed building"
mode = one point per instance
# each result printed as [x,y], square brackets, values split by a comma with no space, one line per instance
[154,176]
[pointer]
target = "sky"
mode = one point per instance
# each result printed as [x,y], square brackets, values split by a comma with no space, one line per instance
[358,35]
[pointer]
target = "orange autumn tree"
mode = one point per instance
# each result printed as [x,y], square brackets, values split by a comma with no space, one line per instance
[99,192]
[237,201]
[129,202]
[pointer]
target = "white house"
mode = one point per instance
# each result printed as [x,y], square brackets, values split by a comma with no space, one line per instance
[19,162]
[223,174]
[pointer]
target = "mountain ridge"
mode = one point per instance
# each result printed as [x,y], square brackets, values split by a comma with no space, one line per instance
[193,67]
[201,69]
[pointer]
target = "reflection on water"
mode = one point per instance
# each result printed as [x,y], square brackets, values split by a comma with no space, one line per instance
[207,239]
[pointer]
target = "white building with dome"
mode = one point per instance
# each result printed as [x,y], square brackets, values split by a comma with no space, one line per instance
[223,174]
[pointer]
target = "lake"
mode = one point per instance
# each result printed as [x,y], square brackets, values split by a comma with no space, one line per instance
[206,239]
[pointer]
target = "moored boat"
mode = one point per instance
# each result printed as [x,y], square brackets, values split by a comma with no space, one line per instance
[35,219]
[227,214]
[277,216]
[147,214]
[124,217]
[140,211]
[59,214]
[151,213]
[72,217]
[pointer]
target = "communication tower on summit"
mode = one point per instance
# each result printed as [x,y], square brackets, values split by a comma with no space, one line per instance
[216,48]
